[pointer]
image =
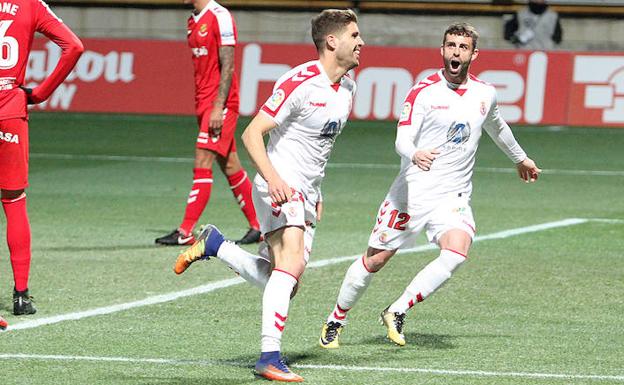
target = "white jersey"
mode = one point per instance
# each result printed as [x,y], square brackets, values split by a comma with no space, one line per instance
[310,112]
[441,115]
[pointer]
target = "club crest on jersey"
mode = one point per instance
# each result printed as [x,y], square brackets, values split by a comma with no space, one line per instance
[458,133]
[203,30]
[483,110]
[276,100]
[405,112]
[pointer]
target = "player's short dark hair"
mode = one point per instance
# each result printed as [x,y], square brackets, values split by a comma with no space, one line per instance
[329,22]
[462,29]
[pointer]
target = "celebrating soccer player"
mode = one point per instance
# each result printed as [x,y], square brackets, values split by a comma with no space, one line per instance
[212,37]
[19,19]
[437,138]
[308,109]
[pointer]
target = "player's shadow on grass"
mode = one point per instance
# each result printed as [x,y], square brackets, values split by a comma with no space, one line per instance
[96,248]
[426,341]
[147,380]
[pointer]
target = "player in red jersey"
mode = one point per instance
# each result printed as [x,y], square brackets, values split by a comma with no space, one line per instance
[212,37]
[19,20]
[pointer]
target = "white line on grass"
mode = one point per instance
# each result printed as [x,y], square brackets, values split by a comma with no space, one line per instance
[343,368]
[165,159]
[168,297]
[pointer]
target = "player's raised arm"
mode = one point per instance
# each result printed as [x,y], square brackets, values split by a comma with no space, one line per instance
[71,49]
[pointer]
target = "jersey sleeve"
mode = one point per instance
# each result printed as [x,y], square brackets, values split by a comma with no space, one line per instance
[53,28]
[410,121]
[284,102]
[501,134]
[225,28]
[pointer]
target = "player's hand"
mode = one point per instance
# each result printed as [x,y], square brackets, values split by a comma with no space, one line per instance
[424,158]
[319,210]
[29,94]
[279,190]
[216,120]
[528,171]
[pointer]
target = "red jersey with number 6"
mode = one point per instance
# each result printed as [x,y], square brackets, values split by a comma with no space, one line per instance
[19,20]
[207,31]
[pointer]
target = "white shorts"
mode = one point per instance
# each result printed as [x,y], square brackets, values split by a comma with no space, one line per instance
[396,227]
[297,212]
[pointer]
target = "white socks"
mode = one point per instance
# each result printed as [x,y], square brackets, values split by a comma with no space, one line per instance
[354,285]
[275,303]
[253,268]
[428,280]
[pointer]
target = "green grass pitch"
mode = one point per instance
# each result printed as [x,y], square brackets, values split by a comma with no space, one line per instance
[544,307]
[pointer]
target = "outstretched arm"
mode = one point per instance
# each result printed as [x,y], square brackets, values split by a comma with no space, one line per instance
[500,132]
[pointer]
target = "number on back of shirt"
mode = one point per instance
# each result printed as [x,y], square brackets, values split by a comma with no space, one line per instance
[9,47]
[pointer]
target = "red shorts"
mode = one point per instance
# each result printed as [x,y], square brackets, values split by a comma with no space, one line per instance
[223,144]
[14,154]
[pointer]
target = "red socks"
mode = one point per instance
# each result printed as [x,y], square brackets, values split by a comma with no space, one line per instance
[241,188]
[198,198]
[18,239]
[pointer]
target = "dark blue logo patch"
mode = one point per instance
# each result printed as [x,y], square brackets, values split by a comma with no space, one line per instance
[331,129]
[458,133]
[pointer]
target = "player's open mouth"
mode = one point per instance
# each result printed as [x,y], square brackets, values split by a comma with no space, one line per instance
[455,64]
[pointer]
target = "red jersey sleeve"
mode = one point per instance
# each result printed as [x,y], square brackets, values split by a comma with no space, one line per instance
[53,28]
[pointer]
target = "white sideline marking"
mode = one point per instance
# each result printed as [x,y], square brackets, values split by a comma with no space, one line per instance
[165,159]
[348,368]
[168,297]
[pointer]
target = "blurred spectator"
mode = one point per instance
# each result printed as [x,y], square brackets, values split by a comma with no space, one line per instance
[534,27]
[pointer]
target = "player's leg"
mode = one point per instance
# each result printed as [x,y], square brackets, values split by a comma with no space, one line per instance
[451,226]
[241,187]
[255,269]
[357,279]
[390,232]
[206,150]
[13,181]
[287,245]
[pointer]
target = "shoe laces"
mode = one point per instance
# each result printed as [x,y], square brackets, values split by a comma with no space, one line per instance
[281,365]
[332,330]
[399,319]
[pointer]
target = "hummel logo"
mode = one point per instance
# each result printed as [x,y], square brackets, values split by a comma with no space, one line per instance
[301,76]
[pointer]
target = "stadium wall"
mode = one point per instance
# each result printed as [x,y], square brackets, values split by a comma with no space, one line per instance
[414,30]
[155,76]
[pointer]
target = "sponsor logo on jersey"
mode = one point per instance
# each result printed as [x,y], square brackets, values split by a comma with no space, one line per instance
[318,104]
[226,34]
[331,129]
[9,138]
[203,30]
[458,133]
[199,51]
[383,237]
[483,110]
[439,107]
[405,112]
[276,100]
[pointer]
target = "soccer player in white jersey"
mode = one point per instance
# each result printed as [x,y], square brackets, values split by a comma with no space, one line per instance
[437,138]
[308,109]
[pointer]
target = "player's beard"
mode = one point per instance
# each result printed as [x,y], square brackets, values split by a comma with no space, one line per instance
[458,75]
